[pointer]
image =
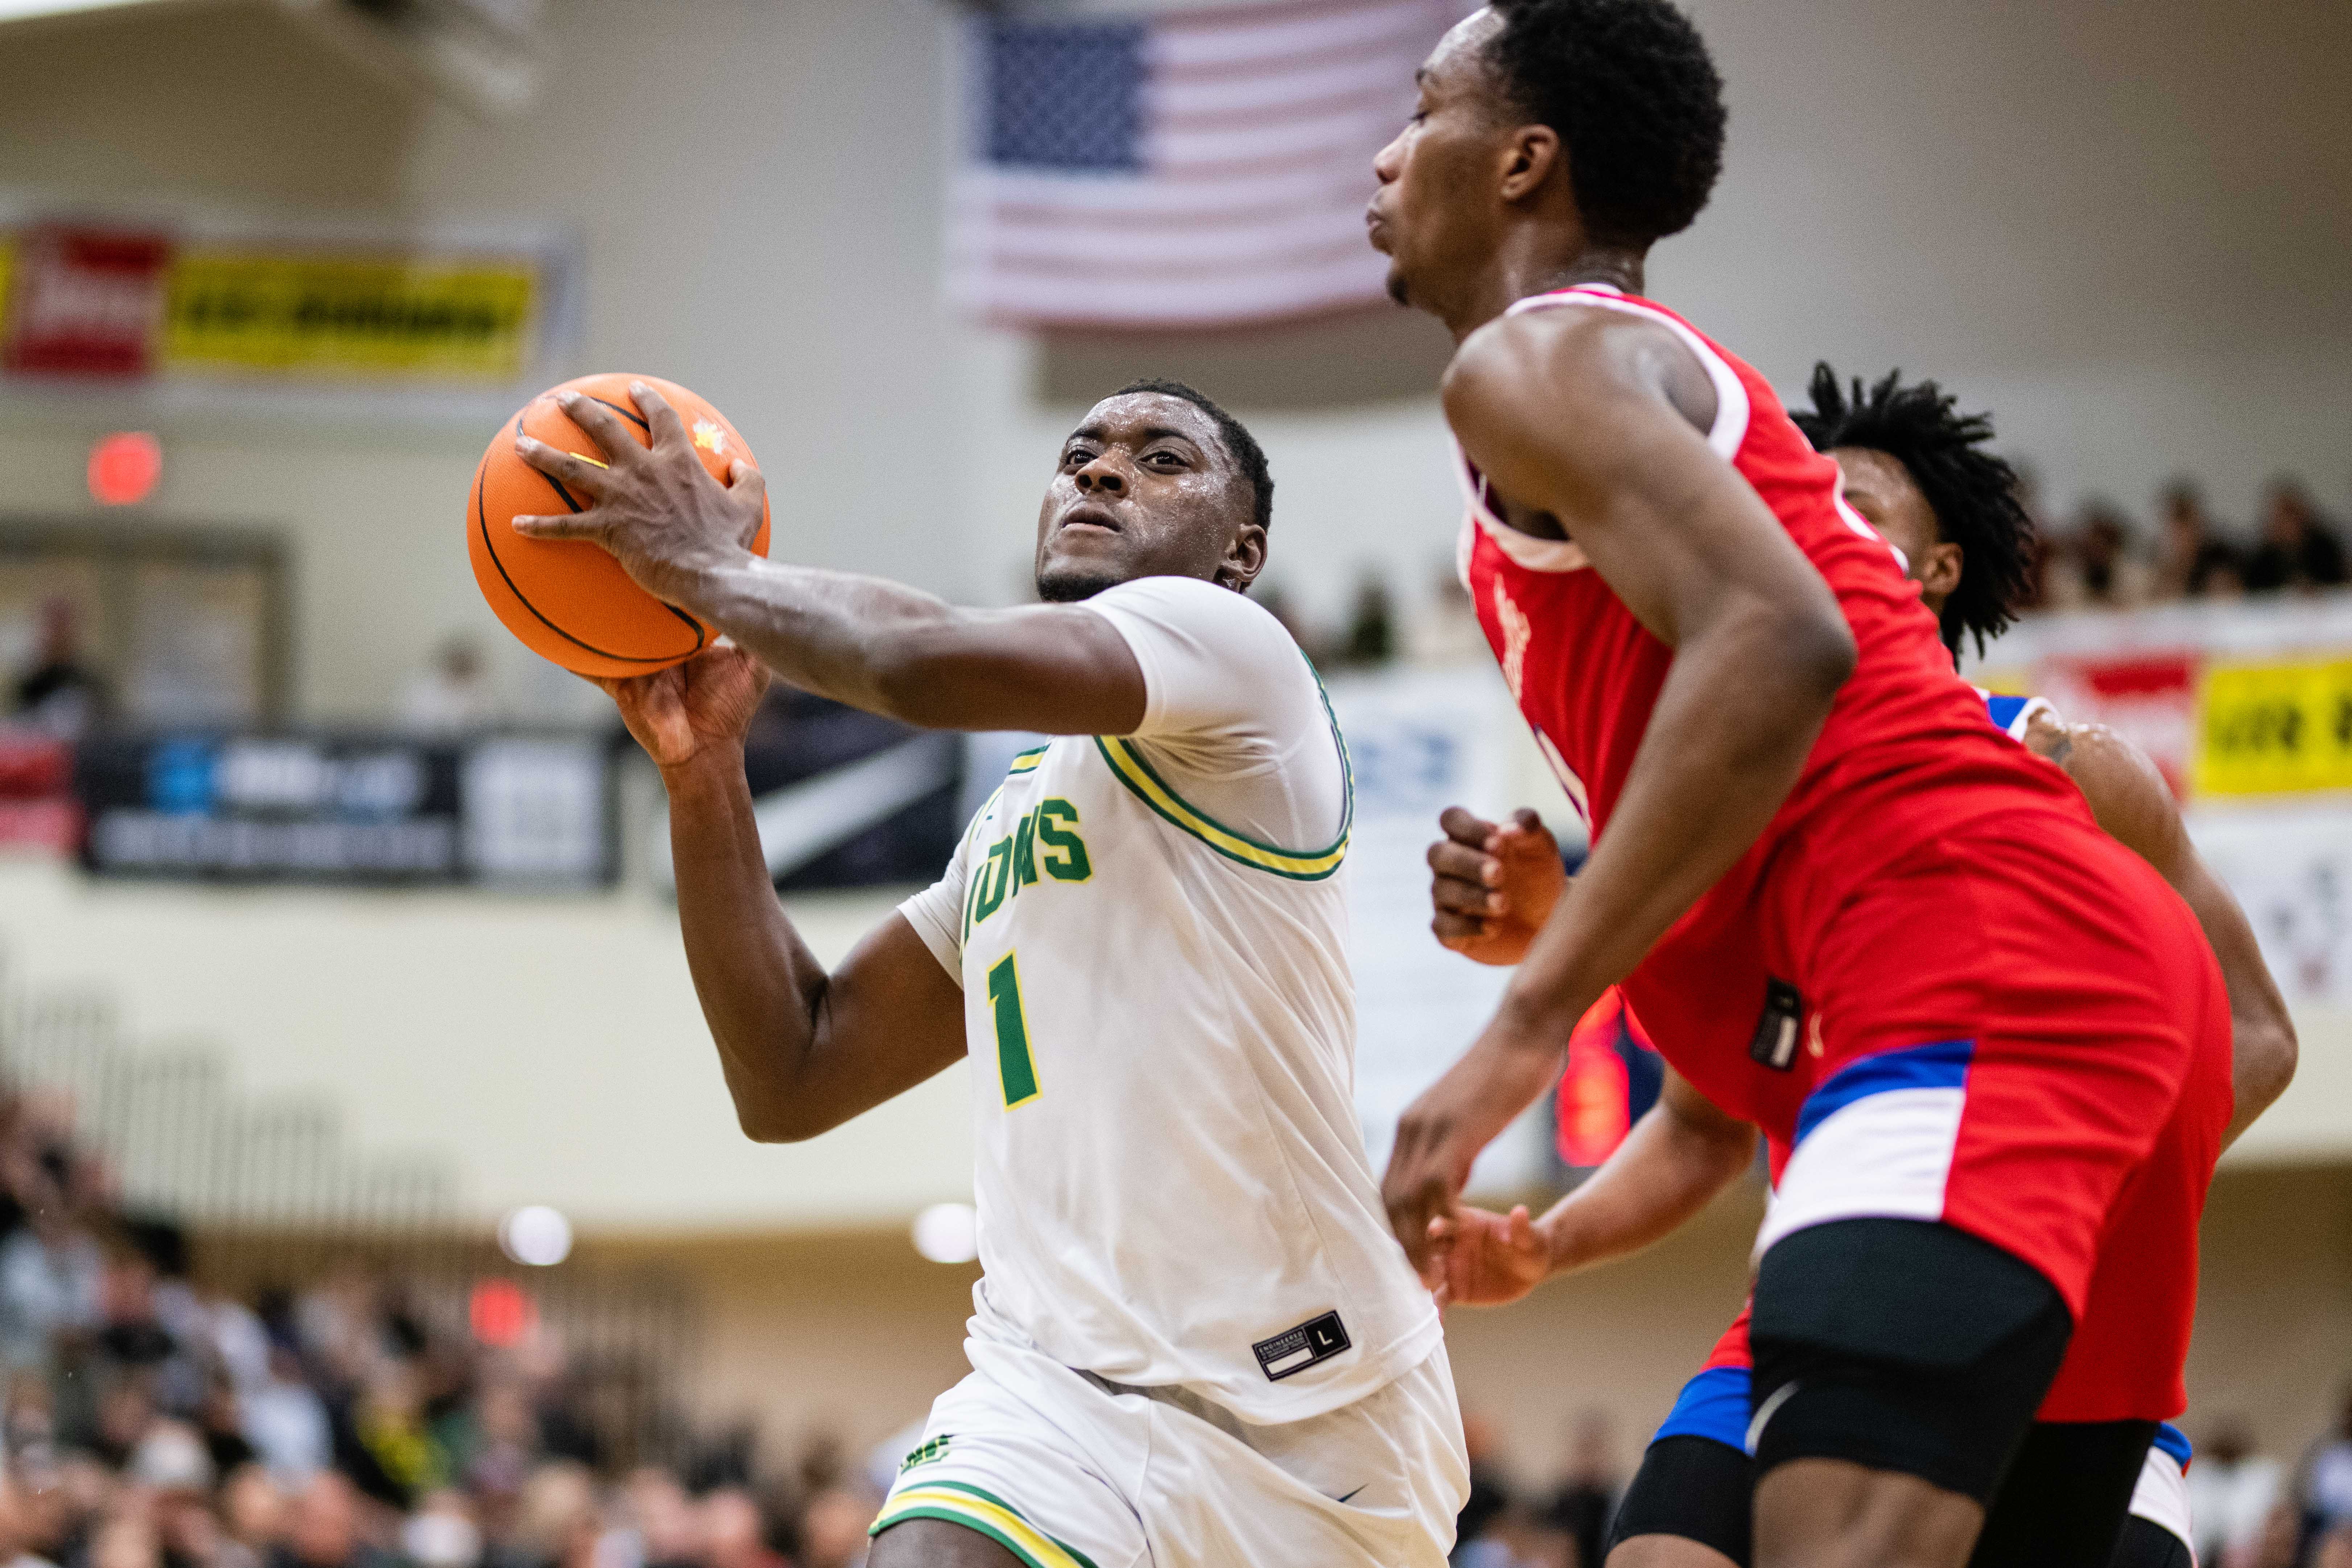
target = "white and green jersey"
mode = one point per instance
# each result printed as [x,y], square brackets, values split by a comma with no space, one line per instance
[1150,932]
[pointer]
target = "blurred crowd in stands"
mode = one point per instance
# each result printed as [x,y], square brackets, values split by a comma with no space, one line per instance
[2252,1510]
[152,1421]
[2100,558]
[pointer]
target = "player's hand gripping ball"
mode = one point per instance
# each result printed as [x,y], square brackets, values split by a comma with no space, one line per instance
[569,599]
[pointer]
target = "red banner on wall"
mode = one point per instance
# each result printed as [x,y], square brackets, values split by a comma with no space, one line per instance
[86,302]
[2151,699]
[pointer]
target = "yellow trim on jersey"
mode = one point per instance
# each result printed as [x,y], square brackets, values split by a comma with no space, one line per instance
[1136,773]
[1026,762]
[976,1510]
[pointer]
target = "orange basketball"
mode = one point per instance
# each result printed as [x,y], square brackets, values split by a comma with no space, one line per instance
[567,599]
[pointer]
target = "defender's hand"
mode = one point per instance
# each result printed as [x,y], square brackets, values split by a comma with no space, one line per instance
[1493,886]
[1489,1259]
[677,714]
[655,508]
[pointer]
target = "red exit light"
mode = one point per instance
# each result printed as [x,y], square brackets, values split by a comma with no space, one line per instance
[125,468]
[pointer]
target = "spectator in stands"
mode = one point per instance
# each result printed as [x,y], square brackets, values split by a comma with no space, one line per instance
[1586,1500]
[17,1526]
[253,1518]
[286,1422]
[1371,639]
[399,1460]
[58,694]
[667,1526]
[2327,1476]
[126,1539]
[443,1532]
[2231,1490]
[556,1524]
[832,1529]
[51,1278]
[2101,551]
[323,1528]
[2299,549]
[735,1531]
[2192,560]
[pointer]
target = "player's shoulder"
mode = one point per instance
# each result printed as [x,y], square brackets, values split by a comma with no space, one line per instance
[1544,374]
[1190,604]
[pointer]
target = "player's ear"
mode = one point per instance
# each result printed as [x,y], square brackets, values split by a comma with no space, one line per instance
[1941,573]
[1244,559]
[1530,157]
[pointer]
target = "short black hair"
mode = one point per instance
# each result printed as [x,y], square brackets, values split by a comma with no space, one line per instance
[1630,89]
[1240,444]
[1973,493]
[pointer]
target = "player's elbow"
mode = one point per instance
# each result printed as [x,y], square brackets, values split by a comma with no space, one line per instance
[1815,651]
[765,1124]
[2266,1057]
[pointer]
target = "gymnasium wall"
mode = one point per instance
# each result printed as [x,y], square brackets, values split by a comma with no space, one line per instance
[2122,226]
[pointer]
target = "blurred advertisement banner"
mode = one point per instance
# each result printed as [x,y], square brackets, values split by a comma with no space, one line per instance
[531,810]
[845,798]
[2275,728]
[2290,867]
[83,303]
[236,304]
[2231,699]
[355,316]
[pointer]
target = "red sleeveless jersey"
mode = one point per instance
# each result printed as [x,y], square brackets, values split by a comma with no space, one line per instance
[1906,750]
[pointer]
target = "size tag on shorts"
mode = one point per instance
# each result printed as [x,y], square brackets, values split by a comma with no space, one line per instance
[1775,1042]
[1309,1345]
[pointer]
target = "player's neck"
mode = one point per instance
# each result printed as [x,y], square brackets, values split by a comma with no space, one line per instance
[1534,262]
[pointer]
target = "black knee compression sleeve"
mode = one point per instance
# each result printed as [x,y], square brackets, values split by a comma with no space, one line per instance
[1901,1346]
[1692,1487]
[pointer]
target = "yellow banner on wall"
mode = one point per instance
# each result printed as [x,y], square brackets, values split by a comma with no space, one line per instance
[349,317]
[2275,728]
[7,280]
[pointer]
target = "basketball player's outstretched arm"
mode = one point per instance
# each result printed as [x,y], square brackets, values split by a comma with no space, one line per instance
[2136,807]
[1574,416]
[803,1051]
[1059,670]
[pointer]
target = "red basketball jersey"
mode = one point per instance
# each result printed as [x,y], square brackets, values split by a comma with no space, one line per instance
[1906,750]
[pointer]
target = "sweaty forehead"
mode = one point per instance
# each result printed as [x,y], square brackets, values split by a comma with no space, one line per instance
[1139,417]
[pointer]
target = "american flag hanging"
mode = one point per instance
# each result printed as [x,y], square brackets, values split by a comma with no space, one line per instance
[1203,168]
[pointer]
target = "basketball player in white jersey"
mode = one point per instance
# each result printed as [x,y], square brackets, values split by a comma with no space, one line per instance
[1195,1341]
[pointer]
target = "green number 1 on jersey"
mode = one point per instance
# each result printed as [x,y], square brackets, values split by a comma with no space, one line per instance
[1013,1063]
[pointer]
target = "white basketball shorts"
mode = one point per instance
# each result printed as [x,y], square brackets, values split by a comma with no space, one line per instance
[1066,1470]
